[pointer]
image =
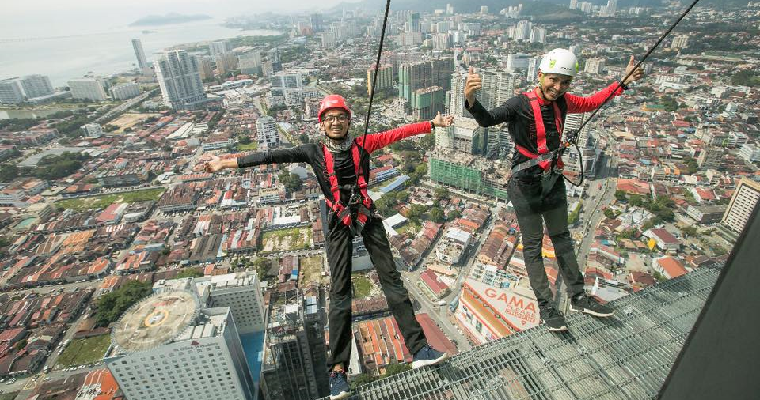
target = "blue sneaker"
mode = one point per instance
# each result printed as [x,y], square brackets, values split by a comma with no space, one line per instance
[427,356]
[339,385]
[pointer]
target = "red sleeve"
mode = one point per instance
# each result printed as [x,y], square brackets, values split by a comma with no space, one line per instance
[377,141]
[578,104]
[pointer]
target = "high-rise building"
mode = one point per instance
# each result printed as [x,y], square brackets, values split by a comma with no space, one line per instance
[427,102]
[440,72]
[680,42]
[250,62]
[87,89]
[240,292]
[413,22]
[266,133]
[328,40]
[441,41]
[317,24]
[413,76]
[225,63]
[294,365]
[206,68]
[449,9]
[170,347]
[142,63]
[484,9]
[517,61]
[522,30]
[125,91]
[179,78]
[498,87]
[36,86]
[533,64]
[573,4]
[611,8]
[11,91]
[219,47]
[537,35]
[742,203]
[384,78]
[594,66]
[93,130]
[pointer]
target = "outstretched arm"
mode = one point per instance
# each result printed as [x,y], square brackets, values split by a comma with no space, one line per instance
[379,140]
[578,104]
[283,156]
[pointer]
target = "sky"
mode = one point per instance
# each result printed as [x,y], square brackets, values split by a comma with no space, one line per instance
[42,18]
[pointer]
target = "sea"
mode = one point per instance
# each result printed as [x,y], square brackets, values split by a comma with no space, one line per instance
[63,54]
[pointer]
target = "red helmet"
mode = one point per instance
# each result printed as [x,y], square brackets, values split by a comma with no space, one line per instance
[333,101]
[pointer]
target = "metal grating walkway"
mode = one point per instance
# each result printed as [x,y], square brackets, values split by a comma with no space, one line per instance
[626,357]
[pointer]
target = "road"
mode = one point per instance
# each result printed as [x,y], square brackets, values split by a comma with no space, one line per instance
[125,106]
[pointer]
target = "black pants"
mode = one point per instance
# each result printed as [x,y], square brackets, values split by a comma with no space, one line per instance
[532,211]
[339,249]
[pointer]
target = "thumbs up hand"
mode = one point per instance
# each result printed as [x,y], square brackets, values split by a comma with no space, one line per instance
[471,85]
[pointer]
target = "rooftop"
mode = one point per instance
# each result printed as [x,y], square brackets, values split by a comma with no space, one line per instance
[157,320]
[628,356]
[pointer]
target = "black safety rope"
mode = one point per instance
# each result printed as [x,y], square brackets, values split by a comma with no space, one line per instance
[374,79]
[572,137]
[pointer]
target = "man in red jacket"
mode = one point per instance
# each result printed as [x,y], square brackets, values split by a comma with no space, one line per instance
[535,120]
[341,165]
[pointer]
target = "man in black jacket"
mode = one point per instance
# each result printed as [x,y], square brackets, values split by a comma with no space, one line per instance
[535,120]
[341,165]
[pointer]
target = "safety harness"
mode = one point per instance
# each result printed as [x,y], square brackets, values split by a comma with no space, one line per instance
[356,213]
[535,105]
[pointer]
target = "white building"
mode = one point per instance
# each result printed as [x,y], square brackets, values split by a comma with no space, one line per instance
[266,133]
[179,77]
[219,47]
[11,91]
[538,35]
[517,61]
[87,89]
[594,66]
[125,91]
[742,203]
[36,86]
[680,41]
[328,40]
[142,63]
[750,153]
[170,347]
[93,130]
[240,292]
[250,63]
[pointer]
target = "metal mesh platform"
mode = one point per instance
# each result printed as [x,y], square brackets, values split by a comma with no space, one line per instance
[624,357]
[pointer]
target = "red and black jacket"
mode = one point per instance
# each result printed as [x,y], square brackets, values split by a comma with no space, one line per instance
[519,113]
[314,155]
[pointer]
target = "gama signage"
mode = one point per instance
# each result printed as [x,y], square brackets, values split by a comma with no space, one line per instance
[520,311]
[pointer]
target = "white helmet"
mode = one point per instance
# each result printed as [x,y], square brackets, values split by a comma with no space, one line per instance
[559,61]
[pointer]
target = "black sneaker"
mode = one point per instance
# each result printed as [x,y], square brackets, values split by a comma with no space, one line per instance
[339,385]
[427,356]
[590,305]
[553,320]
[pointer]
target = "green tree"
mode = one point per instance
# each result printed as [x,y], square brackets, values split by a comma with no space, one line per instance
[454,214]
[8,172]
[609,213]
[437,215]
[109,307]
[291,181]
[190,273]
[262,266]
[620,195]
[244,139]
